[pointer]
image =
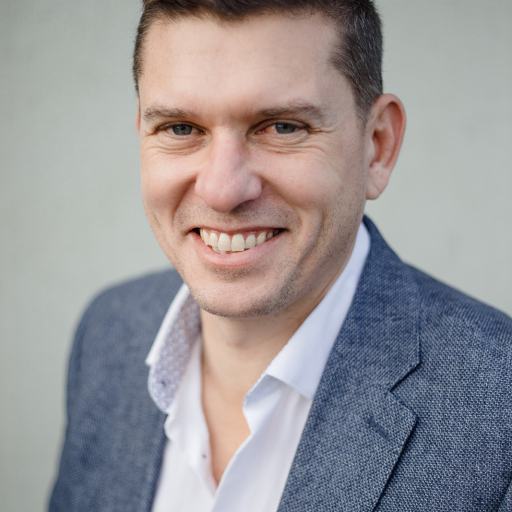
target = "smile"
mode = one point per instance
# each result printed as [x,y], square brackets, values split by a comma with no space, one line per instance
[237,242]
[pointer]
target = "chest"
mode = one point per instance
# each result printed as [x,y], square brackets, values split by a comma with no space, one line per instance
[227,428]
[239,459]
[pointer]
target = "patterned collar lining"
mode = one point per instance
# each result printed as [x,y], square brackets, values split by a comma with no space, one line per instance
[173,349]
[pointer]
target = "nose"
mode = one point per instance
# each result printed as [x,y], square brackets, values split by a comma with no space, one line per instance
[226,179]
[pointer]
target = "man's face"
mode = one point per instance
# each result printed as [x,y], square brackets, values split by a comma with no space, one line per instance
[250,138]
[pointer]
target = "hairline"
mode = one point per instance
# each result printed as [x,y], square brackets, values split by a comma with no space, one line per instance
[205,14]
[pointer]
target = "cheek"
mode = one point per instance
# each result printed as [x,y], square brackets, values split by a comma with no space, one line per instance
[327,192]
[161,184]
[308,182]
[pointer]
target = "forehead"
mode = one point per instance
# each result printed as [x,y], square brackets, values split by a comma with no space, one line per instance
[209,63]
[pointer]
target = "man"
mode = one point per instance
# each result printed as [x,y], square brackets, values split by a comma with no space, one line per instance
[302,366]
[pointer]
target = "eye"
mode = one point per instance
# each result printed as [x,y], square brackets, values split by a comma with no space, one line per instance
[286,128]
[282,128]
[180,129]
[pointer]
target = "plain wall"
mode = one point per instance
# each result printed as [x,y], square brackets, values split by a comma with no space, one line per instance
[72,220]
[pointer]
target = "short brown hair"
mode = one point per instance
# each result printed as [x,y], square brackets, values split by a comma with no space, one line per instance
[358,55]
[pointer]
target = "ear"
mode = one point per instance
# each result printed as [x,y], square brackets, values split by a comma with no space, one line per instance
[384,134]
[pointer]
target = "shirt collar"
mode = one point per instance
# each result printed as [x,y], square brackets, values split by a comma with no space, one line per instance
[299,364]
[181,301]
[172,347]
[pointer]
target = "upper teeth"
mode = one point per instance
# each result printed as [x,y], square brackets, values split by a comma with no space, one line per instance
[222,242]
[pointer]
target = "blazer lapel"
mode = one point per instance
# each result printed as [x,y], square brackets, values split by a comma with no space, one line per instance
[357,427]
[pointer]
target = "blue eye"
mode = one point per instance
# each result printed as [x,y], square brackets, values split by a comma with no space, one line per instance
[181,129]
[285,128]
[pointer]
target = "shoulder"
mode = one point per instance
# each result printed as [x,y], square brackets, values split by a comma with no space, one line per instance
[135,295]
[123,319]
[459,334]
[444,306]
[446,320]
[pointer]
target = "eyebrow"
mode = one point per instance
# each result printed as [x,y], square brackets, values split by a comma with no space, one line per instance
[155,113]
[294,108]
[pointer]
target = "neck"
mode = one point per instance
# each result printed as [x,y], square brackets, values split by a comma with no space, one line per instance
[237,351]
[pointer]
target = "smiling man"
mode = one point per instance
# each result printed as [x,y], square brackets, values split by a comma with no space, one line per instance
[295,363]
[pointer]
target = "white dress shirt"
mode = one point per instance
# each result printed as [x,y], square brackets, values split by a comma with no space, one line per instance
[275,408]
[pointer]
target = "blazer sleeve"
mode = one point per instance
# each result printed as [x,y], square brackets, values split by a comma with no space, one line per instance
[65,485]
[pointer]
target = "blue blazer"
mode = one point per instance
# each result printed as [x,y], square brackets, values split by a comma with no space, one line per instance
[413,412]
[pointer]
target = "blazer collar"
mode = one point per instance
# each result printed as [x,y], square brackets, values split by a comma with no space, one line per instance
[357,427]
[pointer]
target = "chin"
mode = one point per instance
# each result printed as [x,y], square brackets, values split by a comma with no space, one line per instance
[230,304]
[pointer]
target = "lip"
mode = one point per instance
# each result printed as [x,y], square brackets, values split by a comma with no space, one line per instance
[234,260]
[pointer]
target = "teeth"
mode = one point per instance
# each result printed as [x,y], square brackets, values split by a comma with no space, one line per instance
[237,243]
[222,242]
[213,241]
[262,237]
[250,242]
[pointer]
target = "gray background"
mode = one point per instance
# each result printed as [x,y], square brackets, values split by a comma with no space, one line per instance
[72,220]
